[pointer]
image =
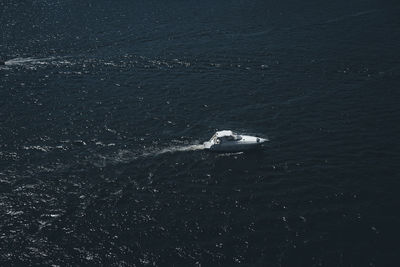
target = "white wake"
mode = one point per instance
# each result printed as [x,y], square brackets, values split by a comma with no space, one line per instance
[174,149]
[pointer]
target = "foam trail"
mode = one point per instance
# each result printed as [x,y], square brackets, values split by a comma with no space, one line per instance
[29,60]
[127,156]
[173,149]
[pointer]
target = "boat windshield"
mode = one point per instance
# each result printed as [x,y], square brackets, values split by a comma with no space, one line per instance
[237,137]
[232,138]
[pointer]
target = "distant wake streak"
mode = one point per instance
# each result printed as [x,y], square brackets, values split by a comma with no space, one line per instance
[32,63]
[362,13]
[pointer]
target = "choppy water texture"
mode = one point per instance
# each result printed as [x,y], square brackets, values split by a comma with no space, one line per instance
[104,106]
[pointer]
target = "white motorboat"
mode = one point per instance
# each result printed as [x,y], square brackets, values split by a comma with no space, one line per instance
[228,141]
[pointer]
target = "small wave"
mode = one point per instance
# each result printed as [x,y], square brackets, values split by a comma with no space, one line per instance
[39,148]
[228,154]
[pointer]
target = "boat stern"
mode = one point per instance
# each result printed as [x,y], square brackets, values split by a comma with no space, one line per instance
[261,140]
[207,144]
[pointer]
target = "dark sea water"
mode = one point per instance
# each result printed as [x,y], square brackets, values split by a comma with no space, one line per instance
[104,106]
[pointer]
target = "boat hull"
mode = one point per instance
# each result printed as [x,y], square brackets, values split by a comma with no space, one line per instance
[245,144]
[236,148]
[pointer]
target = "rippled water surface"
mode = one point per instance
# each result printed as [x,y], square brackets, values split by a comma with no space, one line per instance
[104,106]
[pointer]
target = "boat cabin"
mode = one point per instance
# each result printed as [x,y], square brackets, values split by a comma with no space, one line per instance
[225,136]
